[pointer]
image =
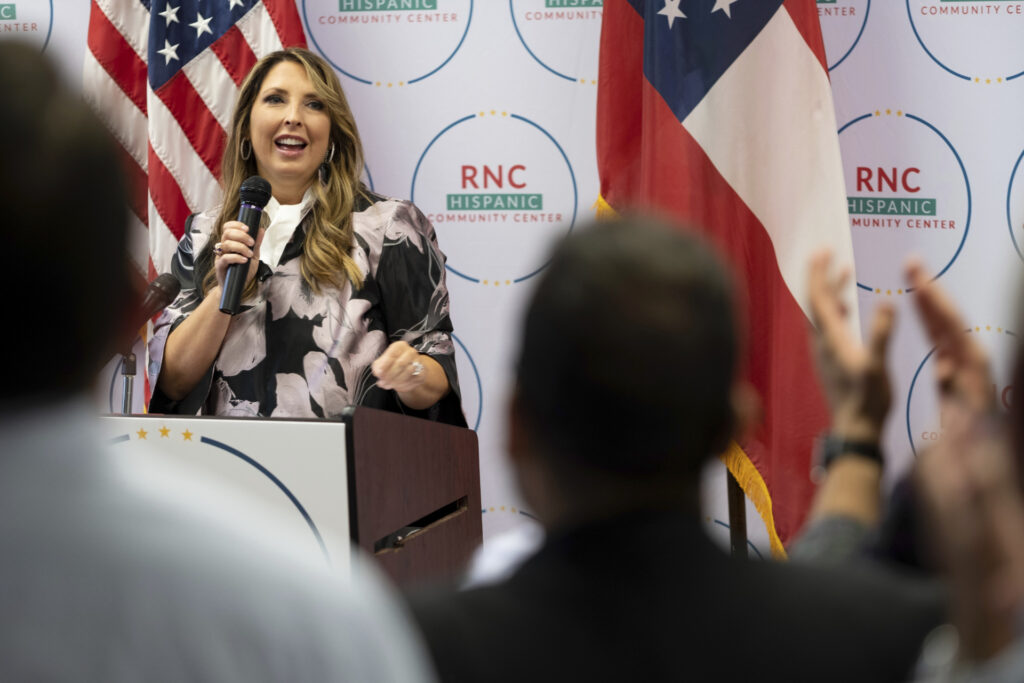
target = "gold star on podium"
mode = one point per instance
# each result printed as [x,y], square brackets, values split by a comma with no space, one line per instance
[142,433]
[187,435]
[164,432]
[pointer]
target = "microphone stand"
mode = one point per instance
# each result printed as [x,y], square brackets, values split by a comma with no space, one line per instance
[158,296]
[128,366]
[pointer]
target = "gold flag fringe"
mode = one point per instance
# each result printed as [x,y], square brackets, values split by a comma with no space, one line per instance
[604,209]
[756,491]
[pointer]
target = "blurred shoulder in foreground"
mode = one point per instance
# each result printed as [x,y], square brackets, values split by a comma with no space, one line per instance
[105,574]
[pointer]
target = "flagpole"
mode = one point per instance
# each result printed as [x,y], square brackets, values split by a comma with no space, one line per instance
[737,517]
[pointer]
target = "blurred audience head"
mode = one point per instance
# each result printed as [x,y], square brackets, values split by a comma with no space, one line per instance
[1016,407]
[626,371]
[64,226]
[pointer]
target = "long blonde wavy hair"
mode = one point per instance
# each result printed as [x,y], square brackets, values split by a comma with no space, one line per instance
[325,259]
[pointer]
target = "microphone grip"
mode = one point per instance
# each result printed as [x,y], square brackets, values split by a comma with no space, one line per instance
[234,279]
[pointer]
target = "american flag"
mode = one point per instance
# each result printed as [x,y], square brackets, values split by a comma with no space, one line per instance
[164,74]
[720,113]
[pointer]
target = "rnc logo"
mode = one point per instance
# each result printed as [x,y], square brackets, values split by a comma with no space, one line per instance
[880,179]
[494,178]
[497,187]
[385,5]
[7,12]
[917,199]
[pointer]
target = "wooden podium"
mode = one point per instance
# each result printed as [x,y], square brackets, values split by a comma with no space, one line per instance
[405,490]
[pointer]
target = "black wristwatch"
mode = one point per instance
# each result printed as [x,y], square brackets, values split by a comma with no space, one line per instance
[831,447]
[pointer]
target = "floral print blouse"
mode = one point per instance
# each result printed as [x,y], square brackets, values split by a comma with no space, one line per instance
[292,353]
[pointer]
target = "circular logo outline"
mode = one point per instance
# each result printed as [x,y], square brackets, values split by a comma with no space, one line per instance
[913,26]
[49,29]
[309,32]
[515,25]
[1009,218]
[867,12]
[913,382]
[479,383]
[369,176]
[572,175]
[967,184]
[910,395]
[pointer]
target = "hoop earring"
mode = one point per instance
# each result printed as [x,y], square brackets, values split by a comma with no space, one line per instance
[245,149]
[330,155]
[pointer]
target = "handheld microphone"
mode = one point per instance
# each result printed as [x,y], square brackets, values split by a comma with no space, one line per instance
[254,193]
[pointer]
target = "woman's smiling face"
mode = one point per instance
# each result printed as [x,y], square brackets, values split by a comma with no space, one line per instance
[290,131]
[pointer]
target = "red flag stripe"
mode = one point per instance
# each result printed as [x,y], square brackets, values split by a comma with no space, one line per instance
[235,54]
[124,120]
[117,57]
[214,84]
[618,117]
[682,180]
[285,16]
[131,17]
[199,186]
[166,195]
[804,14]
[204,131]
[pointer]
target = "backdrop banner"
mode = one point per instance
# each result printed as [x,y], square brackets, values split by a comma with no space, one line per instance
[483,113]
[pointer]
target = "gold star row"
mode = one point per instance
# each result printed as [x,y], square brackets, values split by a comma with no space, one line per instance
[165,433]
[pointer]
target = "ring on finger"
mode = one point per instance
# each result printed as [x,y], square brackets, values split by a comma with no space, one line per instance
[217,249]
[417,368]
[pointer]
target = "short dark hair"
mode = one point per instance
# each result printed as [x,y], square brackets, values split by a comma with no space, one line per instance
[64,225]
[629,353]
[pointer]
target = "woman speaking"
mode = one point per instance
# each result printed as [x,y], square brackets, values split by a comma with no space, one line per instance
[345,299]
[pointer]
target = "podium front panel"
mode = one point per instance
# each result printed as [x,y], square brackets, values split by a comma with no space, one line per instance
[293,470]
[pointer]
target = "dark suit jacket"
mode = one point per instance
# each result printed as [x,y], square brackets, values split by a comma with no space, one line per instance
[648,597]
